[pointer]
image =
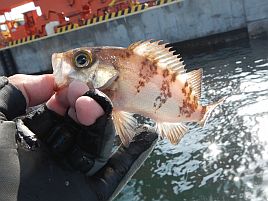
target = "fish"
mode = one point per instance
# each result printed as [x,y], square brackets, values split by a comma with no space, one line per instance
[146,78]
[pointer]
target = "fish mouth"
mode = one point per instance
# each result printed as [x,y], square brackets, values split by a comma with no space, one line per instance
[57,60]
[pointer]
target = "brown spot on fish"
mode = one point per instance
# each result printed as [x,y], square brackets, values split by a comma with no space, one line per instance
[141,83]
[189,105]
[158,102]
[153,67]
[195,102]
[187,90]
[145,63]
[183,90]
[165,73]
[188,98]
[186,109]
[190,101]
[128,54]
[165,93]
[124,54]
[190,90]
[173,77]
[147,70]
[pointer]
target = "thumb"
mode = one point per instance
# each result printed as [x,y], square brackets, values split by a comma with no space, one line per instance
[36,88]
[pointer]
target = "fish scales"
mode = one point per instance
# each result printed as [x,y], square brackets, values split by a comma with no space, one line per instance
[149,81]
[145,78]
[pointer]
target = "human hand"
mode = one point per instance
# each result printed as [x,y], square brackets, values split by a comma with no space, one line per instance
[39,89]
[64,124]
[38,165]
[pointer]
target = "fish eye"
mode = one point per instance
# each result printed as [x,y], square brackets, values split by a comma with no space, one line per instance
[82,59]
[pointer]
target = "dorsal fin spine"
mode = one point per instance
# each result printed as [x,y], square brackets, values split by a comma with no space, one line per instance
[171,61]
[158,52]
[164,60]
[161,56]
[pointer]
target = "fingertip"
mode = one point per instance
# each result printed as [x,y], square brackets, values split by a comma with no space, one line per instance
[87,110]
[76,89]
[54,105]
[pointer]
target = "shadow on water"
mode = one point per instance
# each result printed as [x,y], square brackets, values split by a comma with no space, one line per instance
[228,158]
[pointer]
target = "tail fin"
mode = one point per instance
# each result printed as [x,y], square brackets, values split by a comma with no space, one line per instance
[209,109]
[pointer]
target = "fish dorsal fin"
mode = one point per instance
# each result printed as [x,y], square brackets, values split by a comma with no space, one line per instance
[125,125]
[173,131]
[134,45]
[159,53]
[195,79]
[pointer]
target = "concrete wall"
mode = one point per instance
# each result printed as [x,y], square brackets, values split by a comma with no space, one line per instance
[256,13]
[181,21]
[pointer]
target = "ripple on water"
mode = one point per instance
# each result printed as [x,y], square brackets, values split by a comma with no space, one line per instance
[228,159]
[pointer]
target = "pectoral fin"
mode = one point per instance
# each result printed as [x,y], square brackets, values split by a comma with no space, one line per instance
[195,78]
[173,131]
[125,126]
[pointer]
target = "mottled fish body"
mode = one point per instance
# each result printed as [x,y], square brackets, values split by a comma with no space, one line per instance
[145,78]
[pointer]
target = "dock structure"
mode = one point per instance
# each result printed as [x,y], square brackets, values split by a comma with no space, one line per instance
[171,20]
[136,9]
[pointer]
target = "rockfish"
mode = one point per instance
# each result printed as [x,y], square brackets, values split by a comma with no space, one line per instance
[146,79]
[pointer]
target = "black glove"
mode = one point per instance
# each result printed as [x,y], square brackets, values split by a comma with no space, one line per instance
[61,155]
[85,148]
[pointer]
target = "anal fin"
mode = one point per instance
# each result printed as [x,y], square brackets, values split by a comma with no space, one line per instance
[173,131]
[125,125]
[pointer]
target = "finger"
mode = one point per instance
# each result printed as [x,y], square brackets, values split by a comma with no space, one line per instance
[76,89]
[62,97]
[87,110]
[36,88]
[66,97]
[55,105]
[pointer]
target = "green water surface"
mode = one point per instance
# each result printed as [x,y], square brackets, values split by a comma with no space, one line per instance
[228,159]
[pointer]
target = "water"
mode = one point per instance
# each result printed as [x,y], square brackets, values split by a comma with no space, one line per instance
[228,159]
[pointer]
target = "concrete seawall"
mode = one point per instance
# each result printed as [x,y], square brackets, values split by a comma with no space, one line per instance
[181,21]
[256,13]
